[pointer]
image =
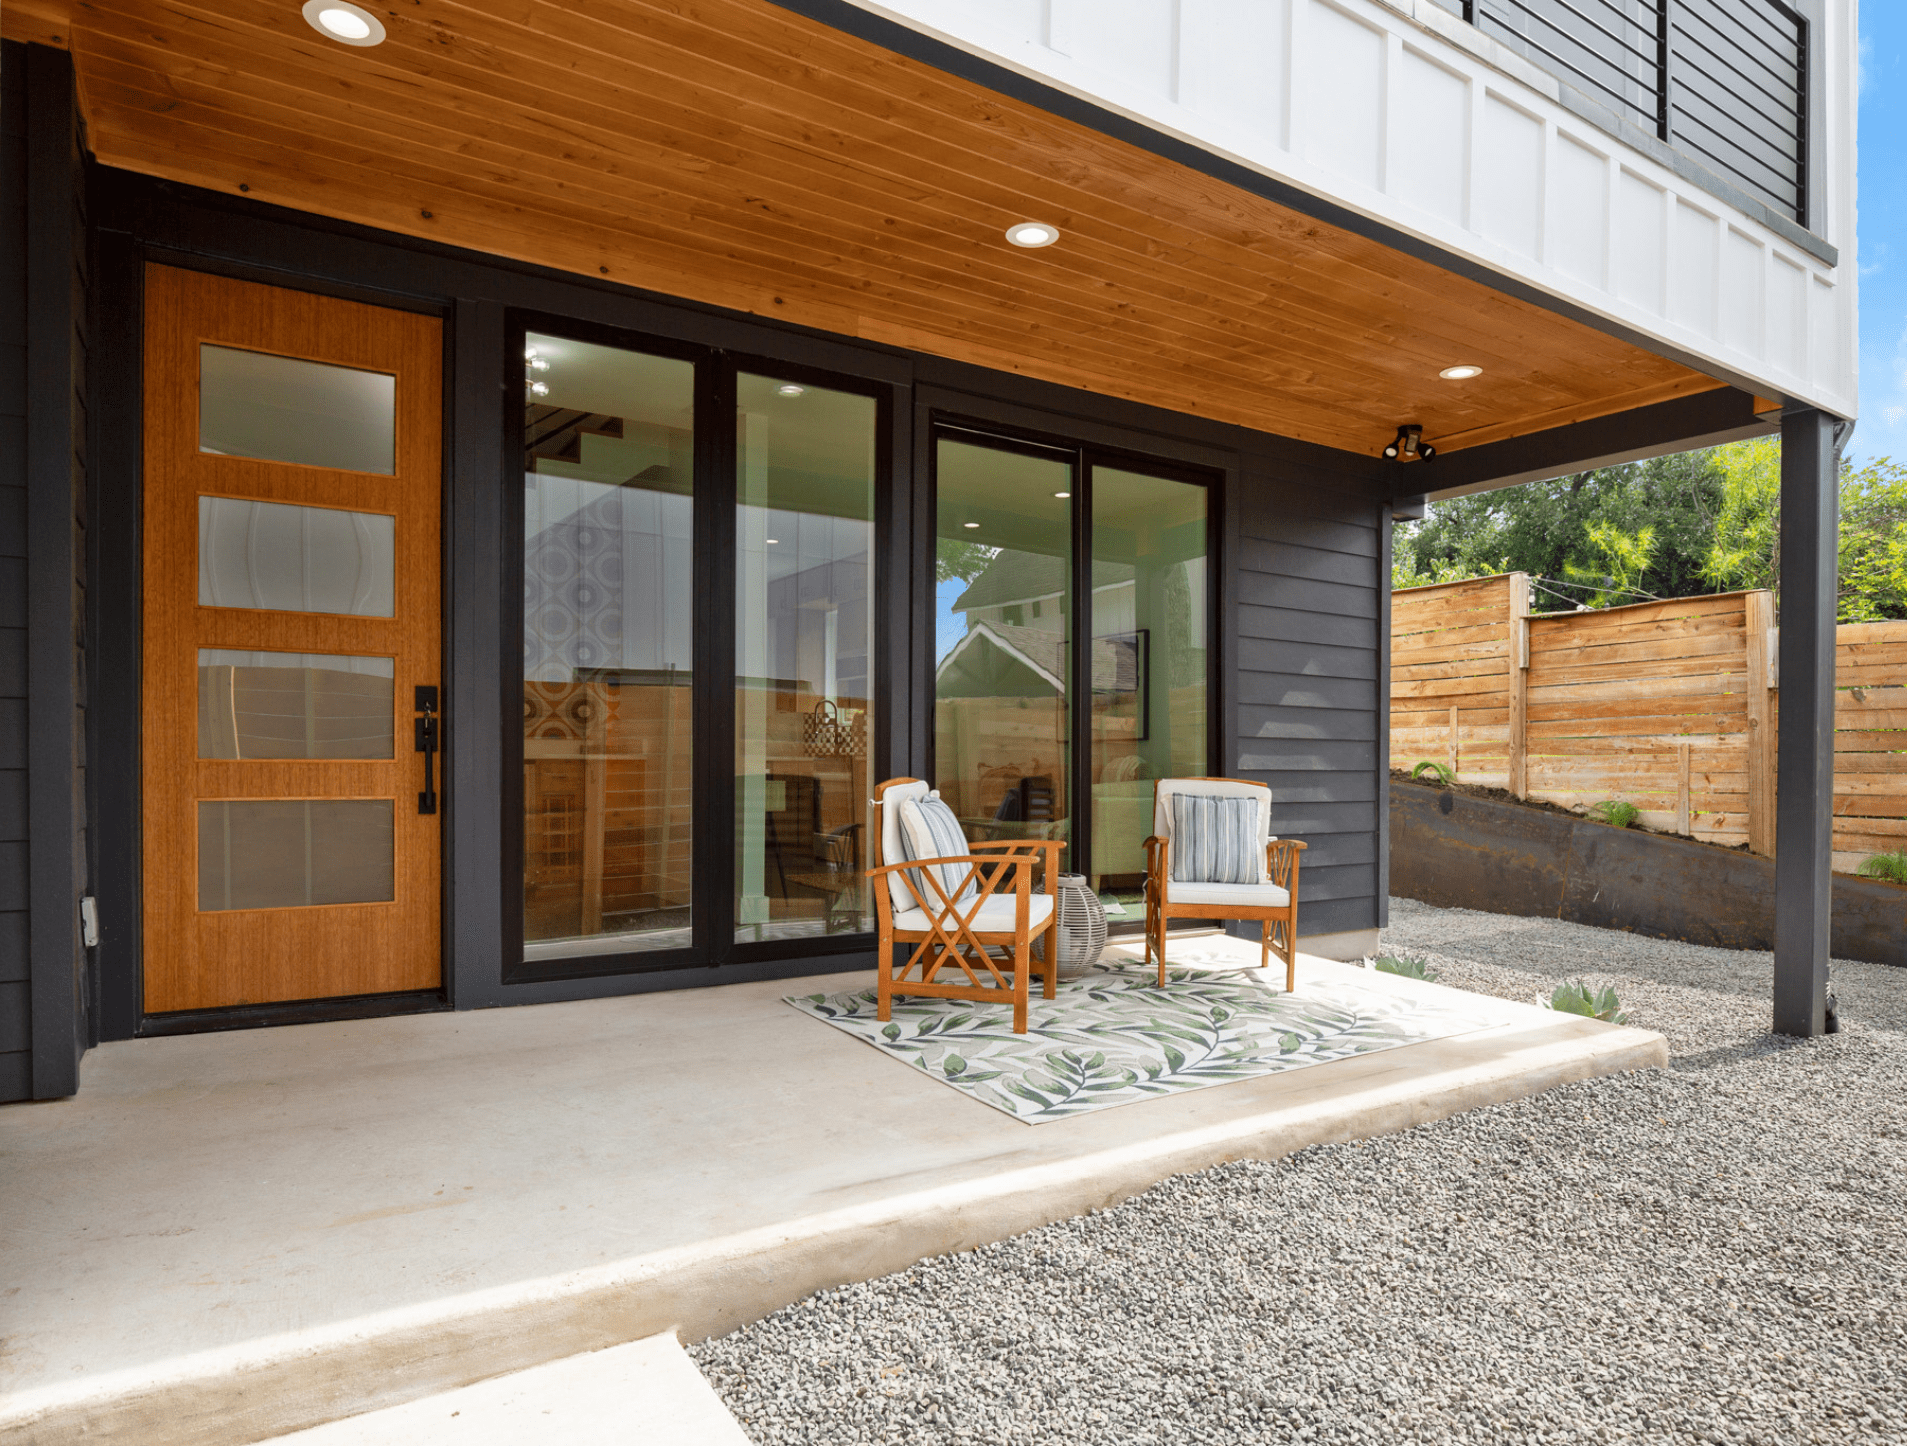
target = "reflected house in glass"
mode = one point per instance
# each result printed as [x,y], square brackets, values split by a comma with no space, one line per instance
[499,572]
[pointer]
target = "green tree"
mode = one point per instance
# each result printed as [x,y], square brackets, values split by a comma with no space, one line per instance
[1746,550]
[1624,562]
[1548,528]
[962,561]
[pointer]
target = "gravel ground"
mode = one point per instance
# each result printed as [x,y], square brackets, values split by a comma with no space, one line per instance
[1714,1252]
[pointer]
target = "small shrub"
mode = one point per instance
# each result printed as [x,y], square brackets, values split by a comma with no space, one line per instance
[1576,997]
[1439,771]
[1615,813]
[1890,867]
[1409,968]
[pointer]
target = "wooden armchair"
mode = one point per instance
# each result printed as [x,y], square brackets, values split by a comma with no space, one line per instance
[985,942]
[1273,900]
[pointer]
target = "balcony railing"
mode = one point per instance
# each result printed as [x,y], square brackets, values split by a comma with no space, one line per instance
[1723,81]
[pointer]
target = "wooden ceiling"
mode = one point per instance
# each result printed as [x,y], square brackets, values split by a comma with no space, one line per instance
[736,153]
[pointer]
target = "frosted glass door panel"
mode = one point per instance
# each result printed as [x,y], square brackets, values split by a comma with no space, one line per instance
[292,853]
[296,559]
[283,409]
[294,705]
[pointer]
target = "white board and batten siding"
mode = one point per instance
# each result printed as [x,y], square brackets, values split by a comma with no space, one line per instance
[1398,110]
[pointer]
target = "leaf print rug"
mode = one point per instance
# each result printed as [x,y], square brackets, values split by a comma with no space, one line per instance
[1113,1037]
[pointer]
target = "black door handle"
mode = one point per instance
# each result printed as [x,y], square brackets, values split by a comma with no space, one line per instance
[427,722]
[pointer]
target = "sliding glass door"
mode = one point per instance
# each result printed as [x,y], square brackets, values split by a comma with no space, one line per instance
[1003,568]
[609,725]
[804,657]
[698,679]
[1035,736]
[1149,659]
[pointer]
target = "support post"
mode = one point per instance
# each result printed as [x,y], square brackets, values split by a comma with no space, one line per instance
[1804,805]
[1519,780]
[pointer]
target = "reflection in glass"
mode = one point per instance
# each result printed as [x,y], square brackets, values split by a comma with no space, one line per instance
[282,409]
[293,705]
[294,852]
[804,650]
[1003,571]
[1149,663]
[296,559]
[608,594]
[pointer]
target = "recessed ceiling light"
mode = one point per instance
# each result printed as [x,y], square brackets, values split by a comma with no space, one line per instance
[774,541]
[1032,233]
[344,22]
[969,524]
[1062,494]
[1460,374]
[789,389]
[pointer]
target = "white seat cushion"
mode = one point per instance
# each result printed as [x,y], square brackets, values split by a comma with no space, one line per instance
[997,915]
[1262,896]
[892,851]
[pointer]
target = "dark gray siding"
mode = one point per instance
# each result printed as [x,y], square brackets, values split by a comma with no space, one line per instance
[1306,692]
[16,1008]
[43,1007]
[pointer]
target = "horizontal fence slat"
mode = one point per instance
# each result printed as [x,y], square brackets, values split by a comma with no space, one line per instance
[1619,701]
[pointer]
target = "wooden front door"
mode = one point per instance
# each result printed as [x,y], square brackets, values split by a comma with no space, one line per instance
[292,616]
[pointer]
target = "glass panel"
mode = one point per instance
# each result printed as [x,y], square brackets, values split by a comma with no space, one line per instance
[1149,662]
[608,597]
[804,657]
[293,705]
[296,559]
[281,409]
[1003,574]
[286,853]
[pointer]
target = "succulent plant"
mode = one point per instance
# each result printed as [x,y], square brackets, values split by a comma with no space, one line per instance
[1890,867]
[1615,812]
[1576,997]
[1409,968]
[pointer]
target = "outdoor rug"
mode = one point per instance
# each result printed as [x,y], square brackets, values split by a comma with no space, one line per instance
[1113,1037]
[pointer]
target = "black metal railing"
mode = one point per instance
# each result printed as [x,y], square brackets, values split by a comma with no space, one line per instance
[1724,81]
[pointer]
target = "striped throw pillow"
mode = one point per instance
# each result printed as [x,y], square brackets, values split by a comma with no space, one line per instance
[929,830]
[1216,840]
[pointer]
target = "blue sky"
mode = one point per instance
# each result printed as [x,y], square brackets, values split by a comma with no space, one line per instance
[1883,232]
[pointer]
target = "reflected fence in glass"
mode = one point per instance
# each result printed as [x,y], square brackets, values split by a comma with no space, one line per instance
[804,657]
[608,598]
[287,853]
[294,705]
[1002,639]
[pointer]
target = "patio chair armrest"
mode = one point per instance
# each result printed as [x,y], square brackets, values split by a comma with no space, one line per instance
[988,873]
[1281,862]
[1049,850]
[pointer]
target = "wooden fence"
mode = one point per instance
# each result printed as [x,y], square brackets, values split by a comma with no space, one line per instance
[1671,706]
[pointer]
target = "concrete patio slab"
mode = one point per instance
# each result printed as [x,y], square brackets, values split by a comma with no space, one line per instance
[647,1393]
[229,1237]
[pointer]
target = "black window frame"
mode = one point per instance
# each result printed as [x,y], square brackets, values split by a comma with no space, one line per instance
[1085,455]
[712,850]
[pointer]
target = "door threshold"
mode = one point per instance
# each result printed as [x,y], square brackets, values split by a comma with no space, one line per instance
[295,1011]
